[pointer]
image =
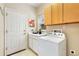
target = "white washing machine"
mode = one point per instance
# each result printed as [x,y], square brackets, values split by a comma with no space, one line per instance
[53,45]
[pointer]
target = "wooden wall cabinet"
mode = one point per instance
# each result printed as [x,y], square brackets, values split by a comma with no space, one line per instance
[71,12]
[53,14]
[56,13]
[62,13]
[47,15]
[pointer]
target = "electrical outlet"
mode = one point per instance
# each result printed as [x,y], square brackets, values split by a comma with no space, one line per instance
[72,52]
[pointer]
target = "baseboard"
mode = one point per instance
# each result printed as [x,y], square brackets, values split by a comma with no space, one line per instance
[16,52]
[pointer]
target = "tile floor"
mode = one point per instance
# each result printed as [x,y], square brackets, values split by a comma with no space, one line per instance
[26,52]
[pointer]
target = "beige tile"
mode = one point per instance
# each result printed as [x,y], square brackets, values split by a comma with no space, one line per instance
[27,52]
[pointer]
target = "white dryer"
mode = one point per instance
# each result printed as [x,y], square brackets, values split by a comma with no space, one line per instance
[53,45]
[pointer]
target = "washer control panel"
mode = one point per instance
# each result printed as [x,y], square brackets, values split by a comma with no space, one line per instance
[58,33]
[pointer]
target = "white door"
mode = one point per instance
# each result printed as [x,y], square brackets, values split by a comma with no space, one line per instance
[14,31]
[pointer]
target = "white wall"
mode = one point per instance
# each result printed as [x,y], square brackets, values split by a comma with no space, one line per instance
[1,32]
[40,9]
[40,13]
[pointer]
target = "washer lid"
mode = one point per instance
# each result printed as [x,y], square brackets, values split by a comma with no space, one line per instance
[52,39]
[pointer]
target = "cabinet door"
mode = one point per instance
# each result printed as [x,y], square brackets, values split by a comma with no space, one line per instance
[30,42]
[35,45]
[47,15]
[56,13]
[71,13]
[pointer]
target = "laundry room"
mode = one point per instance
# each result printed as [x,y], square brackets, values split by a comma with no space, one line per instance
[39,29]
